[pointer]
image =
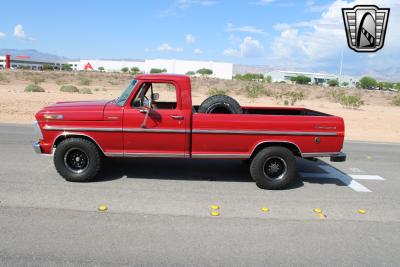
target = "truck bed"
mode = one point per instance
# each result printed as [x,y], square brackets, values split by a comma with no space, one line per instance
[279,111]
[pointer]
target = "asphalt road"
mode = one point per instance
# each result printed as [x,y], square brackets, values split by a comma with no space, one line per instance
[159,212]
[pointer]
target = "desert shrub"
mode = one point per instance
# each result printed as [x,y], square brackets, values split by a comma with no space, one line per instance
[217,91]
[96,89]
[366,82]
[333,83]
[37,79]
[290,97]
[268,79]
[190,73]
[85,81]
[69,89]
[125,69]
[48,67]
[345,84]
[396,100]
[85,91]
[135,70]
[34,88]
[301,79]
[101,69]
[3,78]
[66,67]
[336,95]
[351,101]
[255,90]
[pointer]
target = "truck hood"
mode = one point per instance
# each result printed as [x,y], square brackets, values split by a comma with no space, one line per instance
[76,110]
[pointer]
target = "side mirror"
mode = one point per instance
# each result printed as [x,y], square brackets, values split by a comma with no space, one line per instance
[155,96]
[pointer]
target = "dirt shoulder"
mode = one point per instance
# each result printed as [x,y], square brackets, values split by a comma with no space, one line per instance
[376,120]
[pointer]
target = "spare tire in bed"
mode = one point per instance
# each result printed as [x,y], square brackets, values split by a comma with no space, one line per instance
[221,104]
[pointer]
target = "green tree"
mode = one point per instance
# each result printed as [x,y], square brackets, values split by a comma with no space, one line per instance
[333,83]
[190,73]
[66,67]
[48,67]
[345,84]
[268,79]
[125,69]
[135,70]
[204,72]
[301,79]
[101,69]
[155,70]
[367,82]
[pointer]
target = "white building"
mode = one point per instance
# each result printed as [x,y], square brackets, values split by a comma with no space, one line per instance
[316,78]
[26,62]
[220,70]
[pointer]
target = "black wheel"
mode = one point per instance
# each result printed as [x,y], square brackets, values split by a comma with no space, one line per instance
[77,160]
[273,168]
[222,104]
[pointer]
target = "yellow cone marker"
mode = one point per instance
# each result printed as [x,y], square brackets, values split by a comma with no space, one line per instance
[214,207]
[361,211]
[321,216]
[102,208]
[264,209]
[317,210]
[214,213]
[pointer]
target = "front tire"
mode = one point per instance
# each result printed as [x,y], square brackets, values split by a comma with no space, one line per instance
[273,168]
[77,160]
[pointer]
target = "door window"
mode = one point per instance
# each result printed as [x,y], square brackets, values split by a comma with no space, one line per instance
[163,95]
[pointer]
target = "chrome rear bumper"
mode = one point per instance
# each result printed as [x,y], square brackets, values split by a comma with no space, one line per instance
[37,148]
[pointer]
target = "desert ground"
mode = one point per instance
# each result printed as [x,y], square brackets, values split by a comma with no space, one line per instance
[375,120]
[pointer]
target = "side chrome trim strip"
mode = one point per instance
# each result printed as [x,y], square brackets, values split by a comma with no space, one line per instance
[324,154]
[251,132]
[141,130]
[88,129]
[230,156]
[144,130]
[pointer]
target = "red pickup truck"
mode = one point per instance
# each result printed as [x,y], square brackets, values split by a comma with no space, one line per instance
[154,117]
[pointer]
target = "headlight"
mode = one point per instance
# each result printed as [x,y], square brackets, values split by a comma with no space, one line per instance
[38,131]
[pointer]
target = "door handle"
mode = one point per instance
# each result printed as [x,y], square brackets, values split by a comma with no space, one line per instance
[144,111]
[177,117]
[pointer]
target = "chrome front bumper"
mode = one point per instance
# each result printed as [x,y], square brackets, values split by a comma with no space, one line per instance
[37,148]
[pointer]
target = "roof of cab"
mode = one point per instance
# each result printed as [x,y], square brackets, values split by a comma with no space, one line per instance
[163,76]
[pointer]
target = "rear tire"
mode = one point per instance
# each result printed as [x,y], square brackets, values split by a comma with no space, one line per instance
[273,168]
[221,104]
[77,160]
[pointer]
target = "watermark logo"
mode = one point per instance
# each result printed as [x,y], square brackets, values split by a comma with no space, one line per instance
[365,27]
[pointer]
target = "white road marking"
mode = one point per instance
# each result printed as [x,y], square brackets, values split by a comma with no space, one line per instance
[367,177]
[349,180]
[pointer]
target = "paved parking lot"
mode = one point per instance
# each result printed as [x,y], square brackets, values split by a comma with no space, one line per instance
[159,211]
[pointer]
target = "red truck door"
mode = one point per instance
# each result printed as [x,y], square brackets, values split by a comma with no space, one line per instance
[163,134]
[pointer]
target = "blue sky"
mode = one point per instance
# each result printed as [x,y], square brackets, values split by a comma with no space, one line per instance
[306,35]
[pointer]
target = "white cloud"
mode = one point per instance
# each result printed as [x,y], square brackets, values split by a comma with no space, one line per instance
[2,35]
[165,47]
[249,48]
[231,52]
[250,29]
[198,51]
[190,39]
[20,33]
[319,42]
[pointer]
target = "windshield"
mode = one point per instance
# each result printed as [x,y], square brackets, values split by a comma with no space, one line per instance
[127,92]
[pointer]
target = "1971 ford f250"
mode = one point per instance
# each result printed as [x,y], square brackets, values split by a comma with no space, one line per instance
[154,117]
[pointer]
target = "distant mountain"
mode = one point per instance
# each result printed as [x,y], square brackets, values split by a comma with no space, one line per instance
[33,54]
